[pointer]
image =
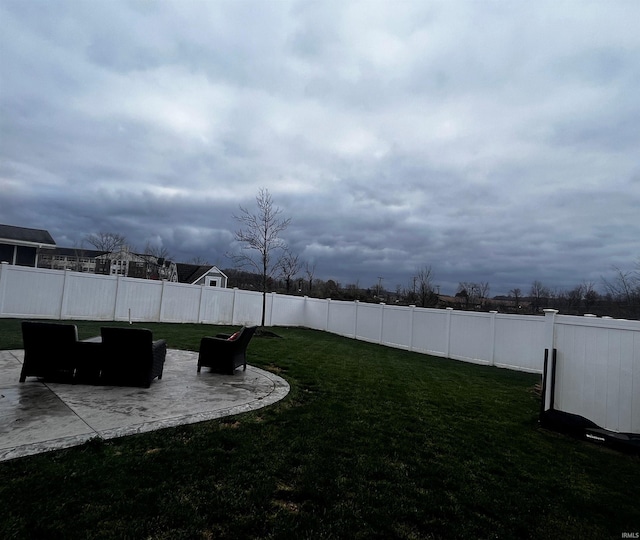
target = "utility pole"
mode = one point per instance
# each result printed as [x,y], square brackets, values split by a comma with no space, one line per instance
[379,285]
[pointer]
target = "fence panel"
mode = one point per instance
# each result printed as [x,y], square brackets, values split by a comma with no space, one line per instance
[89,297]
[287,310]
[315,313]
[430,331]
[247,309]
[598,371]
[519,342]
[342,317]
[471,337]
[31,292]
[138,300]
[396,326]
[369,322]
[180,302]
[216,306]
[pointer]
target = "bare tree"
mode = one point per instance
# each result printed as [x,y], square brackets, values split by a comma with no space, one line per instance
[625,286]
[624,290]
[379,287]
[79,252]
[538,293]
[472,292]
[159,252]
[289,266]
[517,295]
[590,295]
[260,235]
[156,258]
[483,291]
[423,287]
[574,298]
[464,292]
[309,270]
[106,241]
[199,261]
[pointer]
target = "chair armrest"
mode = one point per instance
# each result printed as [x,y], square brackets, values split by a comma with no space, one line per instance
[217,342]
[159,353]
[223,336]
[159,348]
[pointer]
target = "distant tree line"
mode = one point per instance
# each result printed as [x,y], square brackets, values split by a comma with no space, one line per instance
[278,269]
[619,296]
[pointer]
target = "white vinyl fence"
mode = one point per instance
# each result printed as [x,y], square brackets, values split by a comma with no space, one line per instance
[598,360]
[597,370]
[34,293]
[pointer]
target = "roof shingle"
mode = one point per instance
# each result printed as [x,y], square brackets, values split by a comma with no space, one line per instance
[23,234]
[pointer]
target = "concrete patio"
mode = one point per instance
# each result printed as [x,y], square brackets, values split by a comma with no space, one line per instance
[37,417]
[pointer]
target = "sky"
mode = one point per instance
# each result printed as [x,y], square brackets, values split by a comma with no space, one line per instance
[494,142]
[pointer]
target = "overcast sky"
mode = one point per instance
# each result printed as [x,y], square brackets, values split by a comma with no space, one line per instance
[493,141]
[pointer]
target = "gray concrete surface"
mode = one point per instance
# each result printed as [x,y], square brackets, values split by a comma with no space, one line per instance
[37,417]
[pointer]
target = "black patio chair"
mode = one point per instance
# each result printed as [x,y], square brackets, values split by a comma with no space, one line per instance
[49,350]
[224,353]
[131,357]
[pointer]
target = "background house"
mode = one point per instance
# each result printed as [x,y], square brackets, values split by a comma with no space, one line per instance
[22,246]
[195,274]
[137,265]
[75,259]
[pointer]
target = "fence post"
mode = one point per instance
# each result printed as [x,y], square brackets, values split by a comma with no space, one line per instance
[447,346]
[273,301]
[382,304]
[64,301]
[305,309]
[200,304]
[355,320]
[412,307]
[549,340]
[492,351]
[116,300]
[4,268]
[161,311]
[233,306]
[326,326]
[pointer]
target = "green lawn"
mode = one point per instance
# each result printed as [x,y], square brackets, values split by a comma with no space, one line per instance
[372,442]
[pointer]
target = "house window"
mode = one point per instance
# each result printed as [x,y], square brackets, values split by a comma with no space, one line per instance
[213,282]
[6,253]
[26,256]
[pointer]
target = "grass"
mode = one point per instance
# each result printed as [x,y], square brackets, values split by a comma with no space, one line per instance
[371,442]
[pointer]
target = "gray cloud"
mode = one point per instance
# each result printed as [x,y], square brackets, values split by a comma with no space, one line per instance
[494,142]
